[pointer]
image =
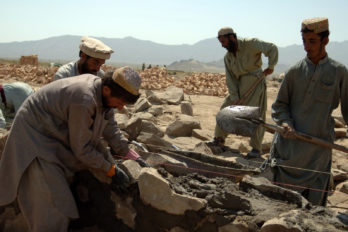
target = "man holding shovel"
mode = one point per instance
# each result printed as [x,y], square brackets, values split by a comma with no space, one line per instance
[310,91]
[243,68]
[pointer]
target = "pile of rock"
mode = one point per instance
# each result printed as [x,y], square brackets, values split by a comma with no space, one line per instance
[27,73]
[156,78]
[189,193]
[140,121]
[212,84]
[183,191]
[160,201]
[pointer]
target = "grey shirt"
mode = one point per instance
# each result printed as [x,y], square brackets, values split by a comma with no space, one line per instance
[71,70]
[307,96]
[62,124]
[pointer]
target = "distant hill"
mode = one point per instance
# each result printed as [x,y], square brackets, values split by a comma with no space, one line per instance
[126,50]
[205,55]
[192,65]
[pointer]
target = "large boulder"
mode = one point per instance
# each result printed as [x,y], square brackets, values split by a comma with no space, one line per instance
[183,126]
[162,197]
[151,128]
[172,95]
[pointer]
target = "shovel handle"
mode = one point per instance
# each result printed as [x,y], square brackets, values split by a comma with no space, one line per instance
[249,91]
[307,138]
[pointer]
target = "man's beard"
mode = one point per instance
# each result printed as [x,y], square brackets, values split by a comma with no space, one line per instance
[85,69]
[231,46]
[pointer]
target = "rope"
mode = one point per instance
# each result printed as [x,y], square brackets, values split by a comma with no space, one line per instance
[285,166]
[241,177]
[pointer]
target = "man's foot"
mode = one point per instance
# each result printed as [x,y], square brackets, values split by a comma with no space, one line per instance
[254,153]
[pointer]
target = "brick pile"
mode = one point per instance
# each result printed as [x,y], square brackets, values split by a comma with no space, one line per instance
[27,73]
[156,78]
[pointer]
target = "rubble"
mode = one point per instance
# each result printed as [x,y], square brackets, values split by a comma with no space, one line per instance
[27,73]
[198,189]
[156,78]
[182,126]
[186,108]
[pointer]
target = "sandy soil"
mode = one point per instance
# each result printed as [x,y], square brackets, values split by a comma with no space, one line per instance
[205,109]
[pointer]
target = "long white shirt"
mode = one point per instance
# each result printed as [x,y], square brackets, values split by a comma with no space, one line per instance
[15,94]
[70,70]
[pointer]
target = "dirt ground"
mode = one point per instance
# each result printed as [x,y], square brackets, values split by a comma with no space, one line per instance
[205,109]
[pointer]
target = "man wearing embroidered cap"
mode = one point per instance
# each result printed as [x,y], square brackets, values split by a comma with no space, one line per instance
[310,91]
[243,67]
[93,54]
[56,133]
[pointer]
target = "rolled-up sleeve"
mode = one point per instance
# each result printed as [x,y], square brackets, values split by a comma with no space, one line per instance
[270,50]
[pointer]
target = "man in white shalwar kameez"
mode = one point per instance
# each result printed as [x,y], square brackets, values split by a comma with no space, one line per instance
[243,65]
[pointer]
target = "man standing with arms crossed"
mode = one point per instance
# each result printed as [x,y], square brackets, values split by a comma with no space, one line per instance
[310,91]
[243,67]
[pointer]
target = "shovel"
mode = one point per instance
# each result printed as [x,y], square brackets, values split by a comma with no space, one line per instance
[243,120]
[251,89]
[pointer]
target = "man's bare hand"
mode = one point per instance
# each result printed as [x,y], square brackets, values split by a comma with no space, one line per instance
[289,131]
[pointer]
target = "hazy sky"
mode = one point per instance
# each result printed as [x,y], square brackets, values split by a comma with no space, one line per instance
[168,21]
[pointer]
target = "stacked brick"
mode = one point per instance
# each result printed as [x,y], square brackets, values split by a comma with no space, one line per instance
[156,78]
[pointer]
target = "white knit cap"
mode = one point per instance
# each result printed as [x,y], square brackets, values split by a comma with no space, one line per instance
[225,31]
[95,48]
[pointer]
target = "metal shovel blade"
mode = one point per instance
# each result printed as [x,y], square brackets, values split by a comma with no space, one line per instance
[235,119]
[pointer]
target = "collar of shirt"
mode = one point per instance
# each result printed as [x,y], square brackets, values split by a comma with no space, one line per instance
[322,61]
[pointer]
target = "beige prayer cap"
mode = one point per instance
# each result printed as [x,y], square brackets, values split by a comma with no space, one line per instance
[316,24]
[225,31]
[128,79]
[95,48]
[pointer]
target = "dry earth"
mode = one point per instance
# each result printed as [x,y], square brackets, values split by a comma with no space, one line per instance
[206,93]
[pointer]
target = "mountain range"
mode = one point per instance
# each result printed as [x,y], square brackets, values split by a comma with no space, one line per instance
[205,55]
